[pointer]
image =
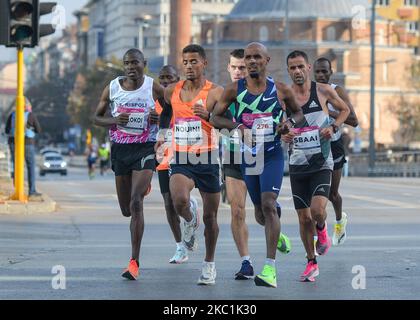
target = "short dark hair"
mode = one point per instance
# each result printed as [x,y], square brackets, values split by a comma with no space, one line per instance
[295,54]
[195,48]
[323,59]
[135,51]
[170,68]
[238,53]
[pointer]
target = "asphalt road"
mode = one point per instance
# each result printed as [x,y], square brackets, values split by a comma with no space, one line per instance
[89,238]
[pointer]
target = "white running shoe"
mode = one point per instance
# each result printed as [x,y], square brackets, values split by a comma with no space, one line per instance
[208,274]
[180,256]
[190,238]
[339,234]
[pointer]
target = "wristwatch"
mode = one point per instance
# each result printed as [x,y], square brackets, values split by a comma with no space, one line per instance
[335,128]
[292,121]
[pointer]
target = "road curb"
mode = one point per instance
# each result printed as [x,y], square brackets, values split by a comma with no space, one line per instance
[13,207]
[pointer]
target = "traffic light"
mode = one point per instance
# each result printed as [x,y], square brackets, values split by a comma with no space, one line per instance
[19,22]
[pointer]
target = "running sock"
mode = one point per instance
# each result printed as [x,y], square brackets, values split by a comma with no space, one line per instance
[338,221]
[209,263]
[320,228]
[270,262]
[313,260]
[246,258]
[179,245]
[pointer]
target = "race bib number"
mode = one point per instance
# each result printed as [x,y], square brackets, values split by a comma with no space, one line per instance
[137,122]
[188,131]
[261,125]
[307,140]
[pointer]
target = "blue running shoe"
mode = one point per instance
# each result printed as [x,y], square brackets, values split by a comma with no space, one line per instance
[246,272]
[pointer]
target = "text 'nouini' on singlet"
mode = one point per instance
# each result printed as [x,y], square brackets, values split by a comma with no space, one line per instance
[190,132]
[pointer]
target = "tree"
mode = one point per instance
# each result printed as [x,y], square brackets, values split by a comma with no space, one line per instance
[407,110]
[49,102]
[408,115]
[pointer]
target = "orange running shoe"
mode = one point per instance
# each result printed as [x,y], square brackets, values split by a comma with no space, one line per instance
[132,271]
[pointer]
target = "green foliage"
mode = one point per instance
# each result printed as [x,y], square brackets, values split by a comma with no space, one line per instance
[49,102]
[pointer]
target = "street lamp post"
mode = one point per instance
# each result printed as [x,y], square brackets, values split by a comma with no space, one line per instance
[216,49]
[372,154]
[142,23]
[286,42]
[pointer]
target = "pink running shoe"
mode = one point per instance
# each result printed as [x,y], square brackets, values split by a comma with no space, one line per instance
[310,272]
[323,243]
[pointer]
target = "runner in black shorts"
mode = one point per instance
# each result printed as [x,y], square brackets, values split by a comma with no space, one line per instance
[322,73]
[195,163]
[132,130]
[168,75]
[310,161]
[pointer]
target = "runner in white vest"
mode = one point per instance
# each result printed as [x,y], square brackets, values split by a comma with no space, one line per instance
[132,130]
[322,74]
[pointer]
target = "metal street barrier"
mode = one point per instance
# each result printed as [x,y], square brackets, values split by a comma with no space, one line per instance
[387,164]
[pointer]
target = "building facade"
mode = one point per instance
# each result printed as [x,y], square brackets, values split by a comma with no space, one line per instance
[338,30]
[118,25]
[403,15]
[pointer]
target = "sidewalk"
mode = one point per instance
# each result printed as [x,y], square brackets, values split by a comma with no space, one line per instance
[35,205]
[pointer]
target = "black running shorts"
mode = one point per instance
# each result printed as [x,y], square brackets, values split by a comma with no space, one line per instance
[206,176]
[306,186]
[337,150]
[126,158]
[163,176]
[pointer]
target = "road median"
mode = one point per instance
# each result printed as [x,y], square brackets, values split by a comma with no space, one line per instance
[35,205]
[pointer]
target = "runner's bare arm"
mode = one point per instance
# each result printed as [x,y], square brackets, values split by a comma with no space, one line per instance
[217,119]
[166,115]
[332,97]
[352,118]
[213,97]
[100,119]
[158,94]
[285,94]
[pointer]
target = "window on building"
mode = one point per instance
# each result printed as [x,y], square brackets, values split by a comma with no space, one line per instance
[331,34]
[410,3]
[381,37]
[385,72]
[383,3]
[412,26]
[263,34]
[209,37]
[100,45]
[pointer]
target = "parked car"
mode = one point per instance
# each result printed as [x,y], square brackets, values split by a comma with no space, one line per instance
[52,162]
[49,150]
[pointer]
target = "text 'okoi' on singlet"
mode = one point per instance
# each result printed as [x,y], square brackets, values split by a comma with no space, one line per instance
[309,152]
[260,113]
[190,132]
[138,104]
